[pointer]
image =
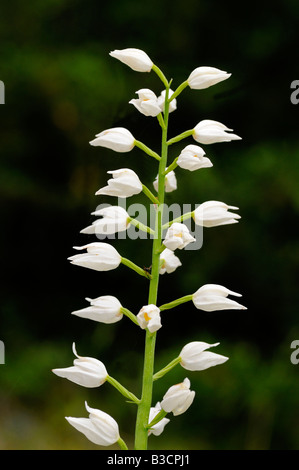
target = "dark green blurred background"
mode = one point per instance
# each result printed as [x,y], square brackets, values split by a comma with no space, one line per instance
[62,88]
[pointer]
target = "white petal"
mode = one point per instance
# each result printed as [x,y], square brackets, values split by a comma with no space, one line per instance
[170,262]
[86,427]
[118,139]
[204,77]
[136,59]
[206,360]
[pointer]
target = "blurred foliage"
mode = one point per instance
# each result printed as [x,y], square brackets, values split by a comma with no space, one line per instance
[61,89]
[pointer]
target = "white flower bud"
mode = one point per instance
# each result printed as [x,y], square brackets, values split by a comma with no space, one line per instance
[178,236]
[136,59]
[172,104]
[158,428]
[178,398]
[214,213]
[104,309]
[100,428]
[114,219]
[211,132]
[117,139]
[194,356]
[86,371]
[192,158]
[169,261]
[124,183]
[170,182]
[147,103]
[149,317]
[211,297]
[204,77]
[99,256]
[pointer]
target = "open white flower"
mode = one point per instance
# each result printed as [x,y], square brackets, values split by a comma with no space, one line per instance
[170,182]
[104,309]
[124,183]
[178,398]
[204,77]
[214,213]
[118,139]
[192,158]
[172,104]
[178,236]
[136,59]
[194,356]
[147,103]
[158,428]
[114,219]
[149,317]
[211,132]
[99,256]
[169,261]
[86,371]
[100,428]
[211,297]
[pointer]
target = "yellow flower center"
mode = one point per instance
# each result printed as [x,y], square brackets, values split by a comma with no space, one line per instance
[146,317]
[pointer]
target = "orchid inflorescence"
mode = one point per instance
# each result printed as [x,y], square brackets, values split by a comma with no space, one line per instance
[99,427]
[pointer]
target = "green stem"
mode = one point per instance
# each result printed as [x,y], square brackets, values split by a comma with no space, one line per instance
[172,166]
[149,194]
[147,150]
[179,90]
[129,314]
[161,249]
[141,226]
[157,418]
[141,435]
[122,444]
[161,120]
[176,302]
[126,393]
[136,268]
[160,75]
[181,136]
[183,217]
[167,368]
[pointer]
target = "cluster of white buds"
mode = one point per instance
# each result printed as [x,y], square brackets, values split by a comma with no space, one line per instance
[99,427]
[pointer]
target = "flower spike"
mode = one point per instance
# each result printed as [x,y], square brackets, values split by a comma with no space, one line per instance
[167,237]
